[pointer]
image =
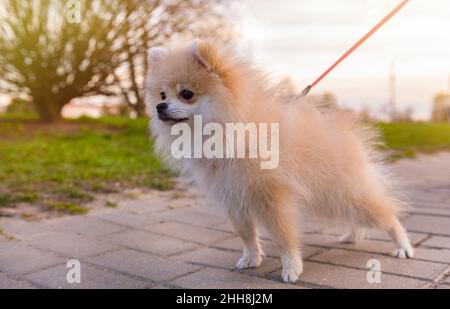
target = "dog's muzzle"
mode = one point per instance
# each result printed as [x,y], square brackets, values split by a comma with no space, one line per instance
[162,108]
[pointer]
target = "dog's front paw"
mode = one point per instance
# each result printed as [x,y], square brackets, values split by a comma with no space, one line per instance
[292,268]
[403,253]
[249,261]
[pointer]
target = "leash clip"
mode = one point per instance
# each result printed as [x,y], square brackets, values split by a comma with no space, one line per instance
[306,91]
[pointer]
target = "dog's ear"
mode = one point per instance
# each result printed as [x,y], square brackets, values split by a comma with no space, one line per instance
[215,61]
[155,54]
[207,55]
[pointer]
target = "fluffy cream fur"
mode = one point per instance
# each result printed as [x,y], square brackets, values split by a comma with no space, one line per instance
[327,160]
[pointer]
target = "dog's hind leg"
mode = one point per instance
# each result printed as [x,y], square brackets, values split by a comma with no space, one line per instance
[245,227]
[382,213]
[403,248]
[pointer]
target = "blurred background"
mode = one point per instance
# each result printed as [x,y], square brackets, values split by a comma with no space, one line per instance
[96,48]
[72,113]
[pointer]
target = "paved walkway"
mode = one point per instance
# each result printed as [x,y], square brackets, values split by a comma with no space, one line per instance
[175,239]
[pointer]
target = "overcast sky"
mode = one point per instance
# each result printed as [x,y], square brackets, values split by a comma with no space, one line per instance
[301,38]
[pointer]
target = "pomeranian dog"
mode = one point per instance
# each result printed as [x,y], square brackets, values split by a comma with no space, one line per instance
[327,161]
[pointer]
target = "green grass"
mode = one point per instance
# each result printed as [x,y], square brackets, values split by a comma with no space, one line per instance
[406,139]
[110,204]
[62,166]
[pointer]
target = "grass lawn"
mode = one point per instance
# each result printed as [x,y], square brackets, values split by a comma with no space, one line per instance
[60,167]
[406,139]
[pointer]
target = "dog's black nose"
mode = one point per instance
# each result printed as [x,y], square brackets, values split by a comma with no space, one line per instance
[161,107]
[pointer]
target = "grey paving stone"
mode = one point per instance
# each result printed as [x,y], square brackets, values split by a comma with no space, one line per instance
[22,229]
[425,200]
[143,206]
[143,265]
[88,226]
[437,241]
[221,279]
[236,244]
[159,287]
[380,247]
[126,218]
[226,259]
[17,258]
[374,235]
[206,207]
[189,217]
[447,280]
[443,287]
[428,224]
[91,278]
[432,255]
[71,245]
[349,278]
[309,251]
[188,232]
[372,246]
[179,202]
[7,282]
[331,241]
[436,255]
[315,226]
[408,267]
[225,227]
[381,235]
[423,209]
[153,243]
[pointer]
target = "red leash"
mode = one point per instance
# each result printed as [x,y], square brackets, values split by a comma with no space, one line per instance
[356,45]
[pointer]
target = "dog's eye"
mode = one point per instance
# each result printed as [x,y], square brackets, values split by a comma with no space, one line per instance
[163,96]
[186,94]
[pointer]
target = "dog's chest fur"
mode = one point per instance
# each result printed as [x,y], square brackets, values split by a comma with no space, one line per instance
[225,181]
